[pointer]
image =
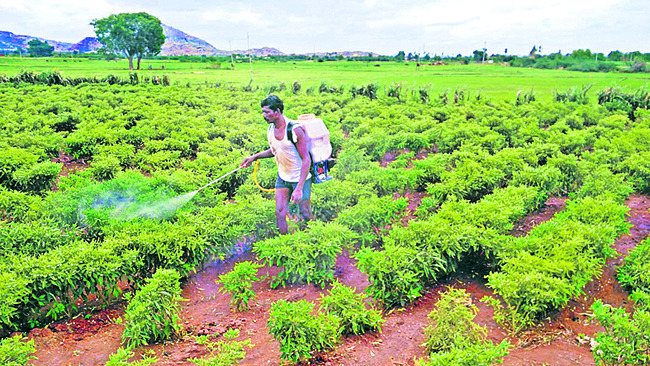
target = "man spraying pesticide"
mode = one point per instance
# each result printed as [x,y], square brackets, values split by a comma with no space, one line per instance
[291,146]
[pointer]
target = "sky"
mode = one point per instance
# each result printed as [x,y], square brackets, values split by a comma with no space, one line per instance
[436,27]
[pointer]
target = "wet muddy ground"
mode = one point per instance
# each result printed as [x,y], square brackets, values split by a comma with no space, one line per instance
[90,339]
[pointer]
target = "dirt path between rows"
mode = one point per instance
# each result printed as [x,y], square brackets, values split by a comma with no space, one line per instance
[89,340]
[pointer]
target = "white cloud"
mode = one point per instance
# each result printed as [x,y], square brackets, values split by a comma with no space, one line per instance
[384,26]
[493,13]
[242,15]
[7,5]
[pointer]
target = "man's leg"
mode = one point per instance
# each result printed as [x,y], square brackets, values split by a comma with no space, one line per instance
[281,202]
[305,210]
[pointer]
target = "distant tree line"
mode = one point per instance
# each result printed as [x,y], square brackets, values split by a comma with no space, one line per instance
[578,60]
[131,43]
[585,60]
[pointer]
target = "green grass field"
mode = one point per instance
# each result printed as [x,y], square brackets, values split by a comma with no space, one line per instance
[491,80]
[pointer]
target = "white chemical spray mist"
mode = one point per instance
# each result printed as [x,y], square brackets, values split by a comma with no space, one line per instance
[126,207]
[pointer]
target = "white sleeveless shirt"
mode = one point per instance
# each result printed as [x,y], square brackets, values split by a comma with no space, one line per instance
[286,155]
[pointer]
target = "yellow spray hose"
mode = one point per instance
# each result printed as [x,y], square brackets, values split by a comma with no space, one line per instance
[256,182]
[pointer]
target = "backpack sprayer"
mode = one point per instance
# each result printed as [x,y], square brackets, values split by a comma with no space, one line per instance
[320,151]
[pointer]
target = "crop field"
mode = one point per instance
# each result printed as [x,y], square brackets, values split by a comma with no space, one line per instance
[478,214]
[491,80]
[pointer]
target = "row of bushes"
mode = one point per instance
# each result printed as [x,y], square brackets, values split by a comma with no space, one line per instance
[427,249]
[544,270]
[484,146]
[50,78]
[126,127]
[45,270]
[626,337]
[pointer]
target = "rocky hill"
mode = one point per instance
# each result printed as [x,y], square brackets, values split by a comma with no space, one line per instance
[88,44]
[176,43]
[260,52]
[180,43]
[9,42]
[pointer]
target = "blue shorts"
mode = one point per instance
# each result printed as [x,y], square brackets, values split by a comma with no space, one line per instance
[306,188]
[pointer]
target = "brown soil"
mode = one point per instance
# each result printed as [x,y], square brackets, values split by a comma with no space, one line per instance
[90,341]
[391,156]
[70,165]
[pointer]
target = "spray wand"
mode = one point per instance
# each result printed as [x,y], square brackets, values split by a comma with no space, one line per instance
[218,179]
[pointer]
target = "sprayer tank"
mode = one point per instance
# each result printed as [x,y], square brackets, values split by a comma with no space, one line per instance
[321,149]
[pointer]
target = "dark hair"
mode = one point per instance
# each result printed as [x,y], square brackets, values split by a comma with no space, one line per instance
[273,102]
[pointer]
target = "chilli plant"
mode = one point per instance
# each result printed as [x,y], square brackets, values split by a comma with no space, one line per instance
[300,332]
[238,283]
[348,305]
[153,313]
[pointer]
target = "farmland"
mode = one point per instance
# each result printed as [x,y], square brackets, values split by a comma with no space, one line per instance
[492,80]
[525,189]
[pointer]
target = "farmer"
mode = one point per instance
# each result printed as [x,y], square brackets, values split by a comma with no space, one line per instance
[292,157]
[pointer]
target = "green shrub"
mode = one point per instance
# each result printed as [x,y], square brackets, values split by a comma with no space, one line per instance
[335,196]
[351,159]
[543,177]
[122,355]
[160,160]
[573,172]
[306,256]
[348,306]
[299,332]
[396,273]
[164,244]
[223,225]
[238,283]
[383,181]
[153,313]
[13,291]
[635,274]
[12,159]
[637,166]
[15,352]
[56,279]
[431,169]
[508,317]
[547,268]
[626,340]
[453,338]
[123,152]
[602,181]
[573,94]
[370,216]
[33,238]
[419,253]
[479,354]
[18,206]
[452,322]
[226,352]
[105,167]
[469,180]
[37,177]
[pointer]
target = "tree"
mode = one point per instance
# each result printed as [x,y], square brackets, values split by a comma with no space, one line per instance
[586,54]
[400,56]
[615,55]
[133,34]
[39,49]
[478,55]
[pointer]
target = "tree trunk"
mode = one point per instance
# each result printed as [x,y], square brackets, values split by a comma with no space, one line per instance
[139,58]
[130,62]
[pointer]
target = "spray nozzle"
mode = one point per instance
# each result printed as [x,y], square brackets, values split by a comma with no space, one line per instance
[220,178]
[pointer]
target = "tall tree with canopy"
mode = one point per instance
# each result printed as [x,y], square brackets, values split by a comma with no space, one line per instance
[38,48]
[133,34]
